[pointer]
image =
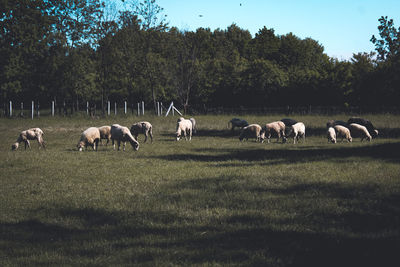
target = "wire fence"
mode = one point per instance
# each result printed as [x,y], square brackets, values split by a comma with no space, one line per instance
[34,109]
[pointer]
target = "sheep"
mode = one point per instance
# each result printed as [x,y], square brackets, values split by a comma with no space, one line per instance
[288,124]
[30,134]
[333,123]
[250,131]
[366,123]
[122,134]
[143,127]
[343,132]
[331,135]
[235,122]
[194,128]
[299,130]
[105,133]
[184,126]
[358,130]
[277,127]
[91,136]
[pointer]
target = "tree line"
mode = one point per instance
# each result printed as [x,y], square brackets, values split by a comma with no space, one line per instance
[84,50]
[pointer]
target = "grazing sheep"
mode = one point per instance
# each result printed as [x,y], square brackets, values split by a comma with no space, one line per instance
[333,123]
[298,130]
[235,122]
[91,136]
[143,127]
[251,131]
[331,135]
[343,132]
[288,124]
[366,123]
[277,128]
[184,126]
[358,130]
[105,133]
[194,128]
[30,134]
[122,134]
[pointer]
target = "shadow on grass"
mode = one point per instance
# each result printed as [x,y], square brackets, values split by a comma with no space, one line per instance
[366,234]
[389,152]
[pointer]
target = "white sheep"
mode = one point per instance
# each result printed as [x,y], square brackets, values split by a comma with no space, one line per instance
[184,126]
[105,133]
[277,128]
[122,134]
[143,127]
[251,131]
[30,134]
[194,128]
[343,132]
[298,130]
[91,137]
[358,130]
[331,135]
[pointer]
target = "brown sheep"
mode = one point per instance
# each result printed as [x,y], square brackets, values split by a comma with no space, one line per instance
[277,127]
[143,127]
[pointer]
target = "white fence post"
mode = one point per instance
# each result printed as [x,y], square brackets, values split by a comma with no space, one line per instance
[108,108]
[87,108]
[33,109]
[10,108]
[138,109]
[142,107]
[158,108]
[22,109]
[52,108]
[115,108]
[38,111]
[125,107]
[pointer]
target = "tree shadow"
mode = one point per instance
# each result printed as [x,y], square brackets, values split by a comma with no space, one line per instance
[389,152]
[365,233]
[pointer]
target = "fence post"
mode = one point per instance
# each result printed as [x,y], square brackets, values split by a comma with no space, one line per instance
[10,109]
[125,107]
[158,108]
[22,109]
[138,109]
[52,108]
[115,108]
[142,107]
[33,109]
[108,108]
[87,108]
[38,112]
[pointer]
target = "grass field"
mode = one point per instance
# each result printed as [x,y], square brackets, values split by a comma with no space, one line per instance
[209,202]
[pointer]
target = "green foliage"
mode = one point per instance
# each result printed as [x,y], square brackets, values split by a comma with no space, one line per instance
[76,51]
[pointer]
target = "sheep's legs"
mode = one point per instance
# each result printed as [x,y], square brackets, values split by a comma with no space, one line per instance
[27,144]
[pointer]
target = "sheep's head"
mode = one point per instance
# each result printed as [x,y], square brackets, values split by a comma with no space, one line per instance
[178,135]
[80,145]
[135,145]
[14,146]
[376,132]
[284,139]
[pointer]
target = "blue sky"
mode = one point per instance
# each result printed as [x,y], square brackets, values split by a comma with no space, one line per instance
[343,27]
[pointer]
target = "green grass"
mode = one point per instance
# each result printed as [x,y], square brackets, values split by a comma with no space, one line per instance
[212,201]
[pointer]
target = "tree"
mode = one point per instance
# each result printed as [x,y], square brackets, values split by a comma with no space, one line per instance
[389,45]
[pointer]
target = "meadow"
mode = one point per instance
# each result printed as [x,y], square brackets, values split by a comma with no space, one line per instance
[213,201]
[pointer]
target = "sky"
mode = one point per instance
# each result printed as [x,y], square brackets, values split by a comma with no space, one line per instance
[342,27]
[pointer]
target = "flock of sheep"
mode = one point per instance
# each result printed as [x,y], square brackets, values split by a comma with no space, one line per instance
[354,127]
[357,127]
